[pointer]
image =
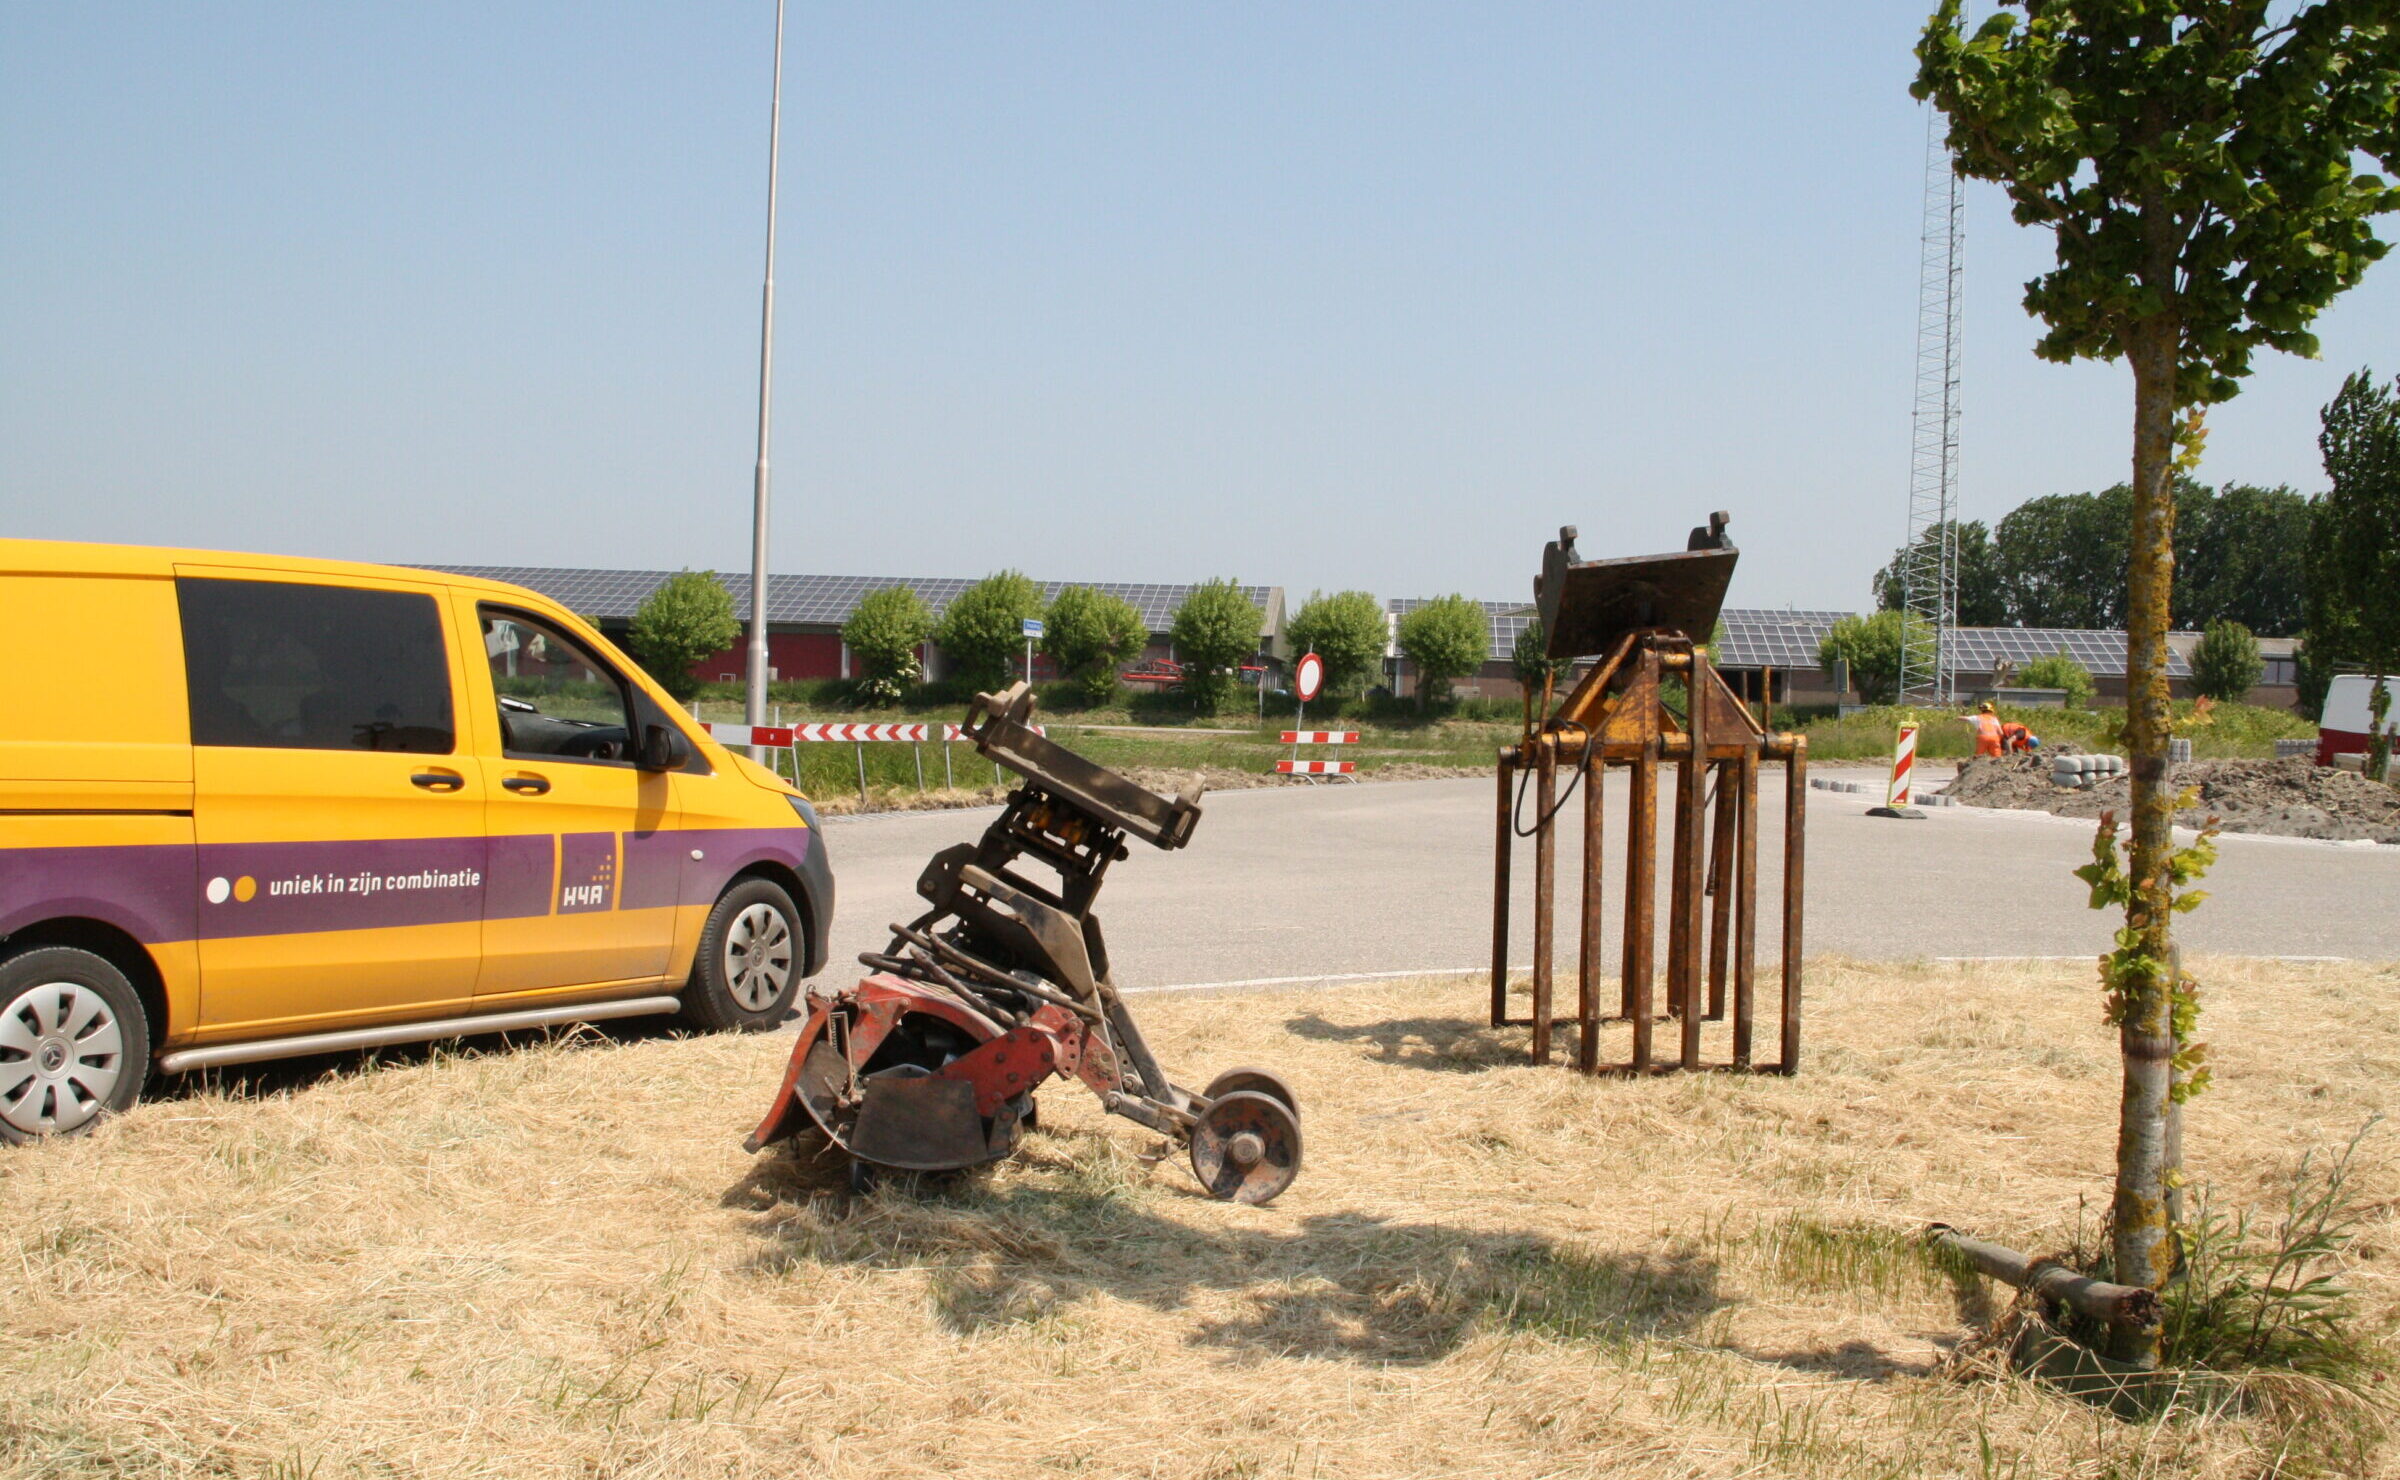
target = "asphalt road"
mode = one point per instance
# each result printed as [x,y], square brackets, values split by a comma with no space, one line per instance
[1392,878]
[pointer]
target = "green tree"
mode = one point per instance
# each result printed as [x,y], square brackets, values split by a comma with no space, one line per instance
[2192,159]
[688,617]
[2361,444]
[2226,665]
[2241,555]
[1871,646]
[884,632]
[1090,635]
[1215,630]
[1447,638]
[1981,599]
[2058,671]
[982,632]
[1531,662]
[2329,627]
[1348,631]
[2061,559]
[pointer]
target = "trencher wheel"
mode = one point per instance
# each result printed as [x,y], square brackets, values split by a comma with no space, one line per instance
[1258,1081]
[1246,1147]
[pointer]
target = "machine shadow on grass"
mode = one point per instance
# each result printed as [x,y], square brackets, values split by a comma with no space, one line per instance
[1020,1246]
[1452,1045]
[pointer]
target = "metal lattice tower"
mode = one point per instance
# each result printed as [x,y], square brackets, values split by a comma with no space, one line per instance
[1929,562]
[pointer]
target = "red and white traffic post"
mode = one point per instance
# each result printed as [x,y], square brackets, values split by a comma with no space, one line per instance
[1896,791]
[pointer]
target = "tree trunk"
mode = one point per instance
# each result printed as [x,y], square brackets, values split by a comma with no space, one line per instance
[2144,1250]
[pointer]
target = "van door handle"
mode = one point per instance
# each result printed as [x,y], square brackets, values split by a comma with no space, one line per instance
[532,786]
[438,780]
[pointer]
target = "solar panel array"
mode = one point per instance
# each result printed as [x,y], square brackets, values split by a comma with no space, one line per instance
[1773,639]
[806,600]
[2101,651]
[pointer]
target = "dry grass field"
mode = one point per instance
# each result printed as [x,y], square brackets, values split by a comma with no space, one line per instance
[555,1260]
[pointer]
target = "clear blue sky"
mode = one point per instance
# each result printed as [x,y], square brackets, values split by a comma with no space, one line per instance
[1320,295]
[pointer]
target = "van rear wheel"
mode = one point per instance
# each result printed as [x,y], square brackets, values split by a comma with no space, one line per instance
[747,970]
[74,1043]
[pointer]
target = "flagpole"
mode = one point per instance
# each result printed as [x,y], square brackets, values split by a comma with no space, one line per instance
[755,698]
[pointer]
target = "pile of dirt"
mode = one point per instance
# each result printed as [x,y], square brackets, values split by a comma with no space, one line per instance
[2292,798]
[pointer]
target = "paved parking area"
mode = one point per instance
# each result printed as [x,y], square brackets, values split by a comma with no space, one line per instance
[1387,878]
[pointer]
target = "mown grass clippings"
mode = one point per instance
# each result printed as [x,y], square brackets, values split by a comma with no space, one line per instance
[554,1260]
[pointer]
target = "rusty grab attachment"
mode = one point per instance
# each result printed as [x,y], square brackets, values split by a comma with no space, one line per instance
[1648,617]
[930,1062]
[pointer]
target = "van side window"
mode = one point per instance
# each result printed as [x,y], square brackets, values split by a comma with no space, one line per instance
[289,666]
[557,701]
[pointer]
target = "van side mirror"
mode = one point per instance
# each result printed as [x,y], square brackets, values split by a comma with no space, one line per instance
[663,748]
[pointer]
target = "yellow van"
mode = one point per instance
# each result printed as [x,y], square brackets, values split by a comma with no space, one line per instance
[253,806]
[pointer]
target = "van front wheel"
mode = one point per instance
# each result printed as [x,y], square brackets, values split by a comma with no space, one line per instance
[747,970]
[74,1043]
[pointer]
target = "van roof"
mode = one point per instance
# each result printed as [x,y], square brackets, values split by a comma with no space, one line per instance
[70,557]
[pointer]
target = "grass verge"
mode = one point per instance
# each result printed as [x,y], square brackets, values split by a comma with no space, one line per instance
[556,1260]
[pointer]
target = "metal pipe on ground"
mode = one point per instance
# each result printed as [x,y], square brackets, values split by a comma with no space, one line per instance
[2115,1305]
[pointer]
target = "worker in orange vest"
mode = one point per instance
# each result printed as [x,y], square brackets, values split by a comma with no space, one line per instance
[1986,721]
[2015,739]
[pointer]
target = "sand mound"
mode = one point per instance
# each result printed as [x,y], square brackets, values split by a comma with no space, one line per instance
[2291,798]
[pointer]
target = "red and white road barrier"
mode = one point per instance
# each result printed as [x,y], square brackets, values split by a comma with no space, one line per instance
[1298,767]
[1904,760]
[783,737]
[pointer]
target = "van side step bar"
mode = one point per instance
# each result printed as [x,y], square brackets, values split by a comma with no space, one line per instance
[184,1060]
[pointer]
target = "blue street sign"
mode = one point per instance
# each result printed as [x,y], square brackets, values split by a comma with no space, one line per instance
[1032,628]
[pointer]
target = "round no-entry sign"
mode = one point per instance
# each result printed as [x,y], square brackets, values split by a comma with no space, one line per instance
[1308,676]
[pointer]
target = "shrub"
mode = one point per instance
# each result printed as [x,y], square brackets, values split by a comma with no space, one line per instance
[2226,664]
[1215,629]
[1871,646]
[2058,671]
[687,618]
[1531,661]
[883,634]
[1347,631]
[1090,635]
[984,629]
[1446,638]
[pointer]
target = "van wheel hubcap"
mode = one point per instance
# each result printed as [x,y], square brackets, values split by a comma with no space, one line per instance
[61,1054]
[758,957]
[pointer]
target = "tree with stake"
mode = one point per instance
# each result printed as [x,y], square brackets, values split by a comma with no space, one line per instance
[1871,646]
[1448,637]
[687,618]
[2226,665]
[1347,631]
[2361,443]
[1090,635]
[983,629]
[883,634]
[1215,629]
[2193,160]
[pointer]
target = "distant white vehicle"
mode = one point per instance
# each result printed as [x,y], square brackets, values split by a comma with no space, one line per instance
[2345,728]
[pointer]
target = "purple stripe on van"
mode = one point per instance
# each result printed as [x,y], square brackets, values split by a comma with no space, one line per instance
[294,888]
[727,851]
[144,889]
[523,865]
[587,873]
[653,868]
